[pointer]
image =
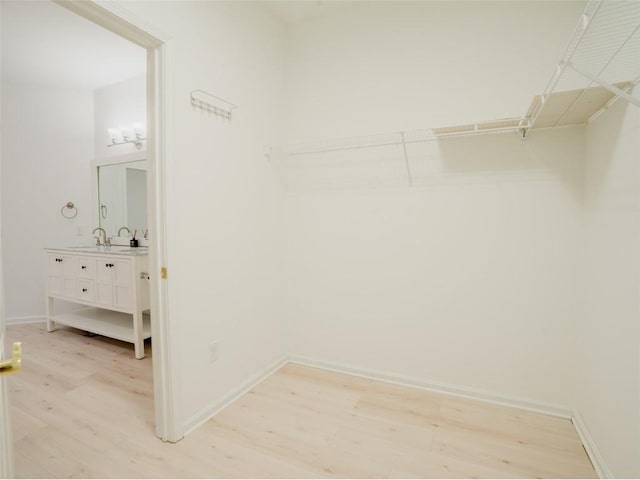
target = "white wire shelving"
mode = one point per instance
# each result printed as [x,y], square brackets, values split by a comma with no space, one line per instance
[403,138]
[604,52]
[602,59]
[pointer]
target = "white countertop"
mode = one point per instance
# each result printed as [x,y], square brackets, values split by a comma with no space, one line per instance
[104,250]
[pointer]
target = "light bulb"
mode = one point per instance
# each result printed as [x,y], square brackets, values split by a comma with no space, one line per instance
[127,133]
[115,135]
[138,129]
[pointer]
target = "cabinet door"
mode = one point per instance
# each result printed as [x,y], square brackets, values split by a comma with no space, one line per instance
[69,283]
[122,287]
[104,269]
[104,283]
[54,274]
[61,275]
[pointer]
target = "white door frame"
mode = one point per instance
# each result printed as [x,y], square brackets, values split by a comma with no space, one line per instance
[112,16]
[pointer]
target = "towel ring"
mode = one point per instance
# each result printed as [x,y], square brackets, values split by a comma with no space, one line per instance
[72,207]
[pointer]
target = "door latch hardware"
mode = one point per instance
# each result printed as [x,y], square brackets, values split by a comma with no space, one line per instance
[15,363]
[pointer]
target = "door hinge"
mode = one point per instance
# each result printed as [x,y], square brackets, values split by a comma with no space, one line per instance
[163,273]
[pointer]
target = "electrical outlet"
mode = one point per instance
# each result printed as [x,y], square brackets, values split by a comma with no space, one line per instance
[213,352]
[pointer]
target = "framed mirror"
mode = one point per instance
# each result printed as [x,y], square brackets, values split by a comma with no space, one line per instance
[122,196]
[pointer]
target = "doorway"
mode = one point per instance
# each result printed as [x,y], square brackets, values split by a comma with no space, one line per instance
[119,23]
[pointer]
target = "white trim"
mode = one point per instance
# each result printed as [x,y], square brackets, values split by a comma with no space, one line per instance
[590,446]
[124,158]
[206,413]
[118,19]
[165,366]
[439,387]
[26,320]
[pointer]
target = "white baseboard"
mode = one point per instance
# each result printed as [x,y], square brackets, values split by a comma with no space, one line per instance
[445,388]
[206,413]
[590,446]
[25,320]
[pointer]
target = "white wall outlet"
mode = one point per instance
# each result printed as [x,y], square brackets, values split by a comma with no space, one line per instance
[213,352]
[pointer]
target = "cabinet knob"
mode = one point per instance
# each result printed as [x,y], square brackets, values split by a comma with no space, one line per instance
[84,267]
[84,290]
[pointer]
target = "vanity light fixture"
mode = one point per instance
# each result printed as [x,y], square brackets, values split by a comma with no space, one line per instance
[123,135]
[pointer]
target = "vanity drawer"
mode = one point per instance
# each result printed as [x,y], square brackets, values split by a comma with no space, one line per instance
[86,267]
[86,290]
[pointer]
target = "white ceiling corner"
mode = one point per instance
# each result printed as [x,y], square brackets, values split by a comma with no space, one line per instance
[295,11]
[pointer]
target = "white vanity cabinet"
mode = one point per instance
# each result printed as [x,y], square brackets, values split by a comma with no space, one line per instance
[112,281]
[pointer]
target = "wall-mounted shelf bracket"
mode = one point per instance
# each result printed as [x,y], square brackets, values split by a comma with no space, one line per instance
[612,88]
[406,158]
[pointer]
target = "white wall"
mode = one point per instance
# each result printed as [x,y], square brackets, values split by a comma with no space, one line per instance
[120,104]
[608,393]
[225,222]
[47,145]
[469,278]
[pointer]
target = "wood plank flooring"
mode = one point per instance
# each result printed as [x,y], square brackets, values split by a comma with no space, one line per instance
[83,407]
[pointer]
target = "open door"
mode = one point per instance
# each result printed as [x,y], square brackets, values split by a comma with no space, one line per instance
[6,450]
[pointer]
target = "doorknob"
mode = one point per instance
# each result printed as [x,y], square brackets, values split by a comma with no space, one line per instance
[13,365]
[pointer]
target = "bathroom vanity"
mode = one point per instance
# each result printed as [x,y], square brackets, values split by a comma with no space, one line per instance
[112,281]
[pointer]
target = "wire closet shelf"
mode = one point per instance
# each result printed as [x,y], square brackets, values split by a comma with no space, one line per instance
[604,52]
[604,55]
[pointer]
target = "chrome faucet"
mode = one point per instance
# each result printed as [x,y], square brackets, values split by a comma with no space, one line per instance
[104,236]
[124,228]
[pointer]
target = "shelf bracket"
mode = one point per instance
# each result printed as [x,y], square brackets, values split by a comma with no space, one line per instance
[612,88]
[406,158]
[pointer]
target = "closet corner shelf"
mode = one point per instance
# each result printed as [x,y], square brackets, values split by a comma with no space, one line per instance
[604,46]
[570,107]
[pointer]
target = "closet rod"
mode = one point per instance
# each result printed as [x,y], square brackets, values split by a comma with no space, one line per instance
[293,150]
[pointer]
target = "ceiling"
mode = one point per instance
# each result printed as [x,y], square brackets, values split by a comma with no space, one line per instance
[46,44]
[295,11]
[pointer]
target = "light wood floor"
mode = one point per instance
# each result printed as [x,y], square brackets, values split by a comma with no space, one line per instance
[82,407]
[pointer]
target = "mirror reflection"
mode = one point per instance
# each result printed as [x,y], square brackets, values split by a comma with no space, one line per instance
[122,196]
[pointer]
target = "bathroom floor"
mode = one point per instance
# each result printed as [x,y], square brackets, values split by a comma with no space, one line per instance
[82,407]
